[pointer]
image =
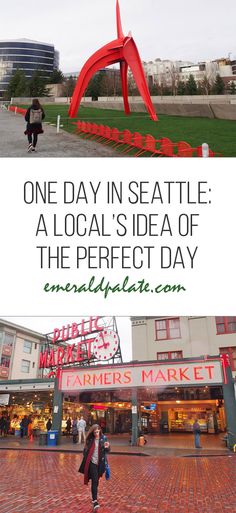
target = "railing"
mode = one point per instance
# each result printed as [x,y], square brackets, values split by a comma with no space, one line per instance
[137,144]
[17,110]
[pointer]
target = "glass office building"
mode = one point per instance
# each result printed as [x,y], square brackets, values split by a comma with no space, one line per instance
[27,56]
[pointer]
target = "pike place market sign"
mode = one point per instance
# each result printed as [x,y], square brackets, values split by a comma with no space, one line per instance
[93,341]
[202,372]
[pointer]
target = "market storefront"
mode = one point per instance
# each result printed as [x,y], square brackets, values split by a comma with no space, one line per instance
[151,397]
[112,409]
[30,399]
[158,411]
[178,416]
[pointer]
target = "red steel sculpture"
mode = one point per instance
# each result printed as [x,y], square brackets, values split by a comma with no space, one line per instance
[122,50]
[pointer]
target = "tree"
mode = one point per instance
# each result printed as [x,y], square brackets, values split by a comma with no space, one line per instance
[232,88]
[68,86]
[166,91]
[111,83]
[154,89]
[200,89]
[56,77]
[17,85]
[132,86]
[94,88]
[219,85]
[204,86]
[181,88]
[37,84]
[174,76]
[191,86]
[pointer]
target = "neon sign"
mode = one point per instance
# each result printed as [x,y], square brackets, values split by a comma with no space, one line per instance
[72,331]
[96,342]
[141,375]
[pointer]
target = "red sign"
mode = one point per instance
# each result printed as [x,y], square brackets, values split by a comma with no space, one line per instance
[4,372]
[147,375]
[105,347]
[74,330]
[99,407]
[6,350]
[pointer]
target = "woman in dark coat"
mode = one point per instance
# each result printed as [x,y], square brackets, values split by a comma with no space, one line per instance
[34,116]
[94,460]
[75,431]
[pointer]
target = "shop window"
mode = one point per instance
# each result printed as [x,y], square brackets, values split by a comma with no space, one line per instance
[231,351]
[25,366]
[225,325]
[169,355]
[5,361]
[8,339]
[7,344]
[27,348]
[167,329]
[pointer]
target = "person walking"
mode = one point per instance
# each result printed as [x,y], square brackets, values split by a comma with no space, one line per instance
[94,460]
[34,116]
[81,429]
[49,425]
[75,431]
[8,424]
[68,426]
[215,421]
[24,426]
[197,432]
[2,425]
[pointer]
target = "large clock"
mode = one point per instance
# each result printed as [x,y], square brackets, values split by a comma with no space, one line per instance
[105,345]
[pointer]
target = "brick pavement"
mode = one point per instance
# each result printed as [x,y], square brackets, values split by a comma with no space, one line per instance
[46,482]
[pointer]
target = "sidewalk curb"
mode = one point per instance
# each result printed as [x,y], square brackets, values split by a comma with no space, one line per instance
[121,453]
[70,451]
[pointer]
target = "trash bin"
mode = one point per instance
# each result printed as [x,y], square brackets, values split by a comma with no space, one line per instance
[52,437]
[42,438]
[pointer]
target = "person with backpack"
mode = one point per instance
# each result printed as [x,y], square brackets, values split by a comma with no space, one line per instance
[93,465]
[34,116]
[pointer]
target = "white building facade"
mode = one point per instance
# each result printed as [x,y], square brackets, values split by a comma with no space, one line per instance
[19,352]
[170,338]
[170,72]
[186,341]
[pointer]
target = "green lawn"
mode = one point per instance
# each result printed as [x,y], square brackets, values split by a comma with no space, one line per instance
[219,134]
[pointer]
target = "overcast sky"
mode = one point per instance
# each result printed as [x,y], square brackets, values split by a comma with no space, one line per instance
[46,325]
[183,29]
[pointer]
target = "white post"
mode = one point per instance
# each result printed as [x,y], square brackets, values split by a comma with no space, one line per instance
[58,123]
[15,110]
[205,150]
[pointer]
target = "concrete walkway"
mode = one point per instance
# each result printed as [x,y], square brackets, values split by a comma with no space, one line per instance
[13,142]
[157,445]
